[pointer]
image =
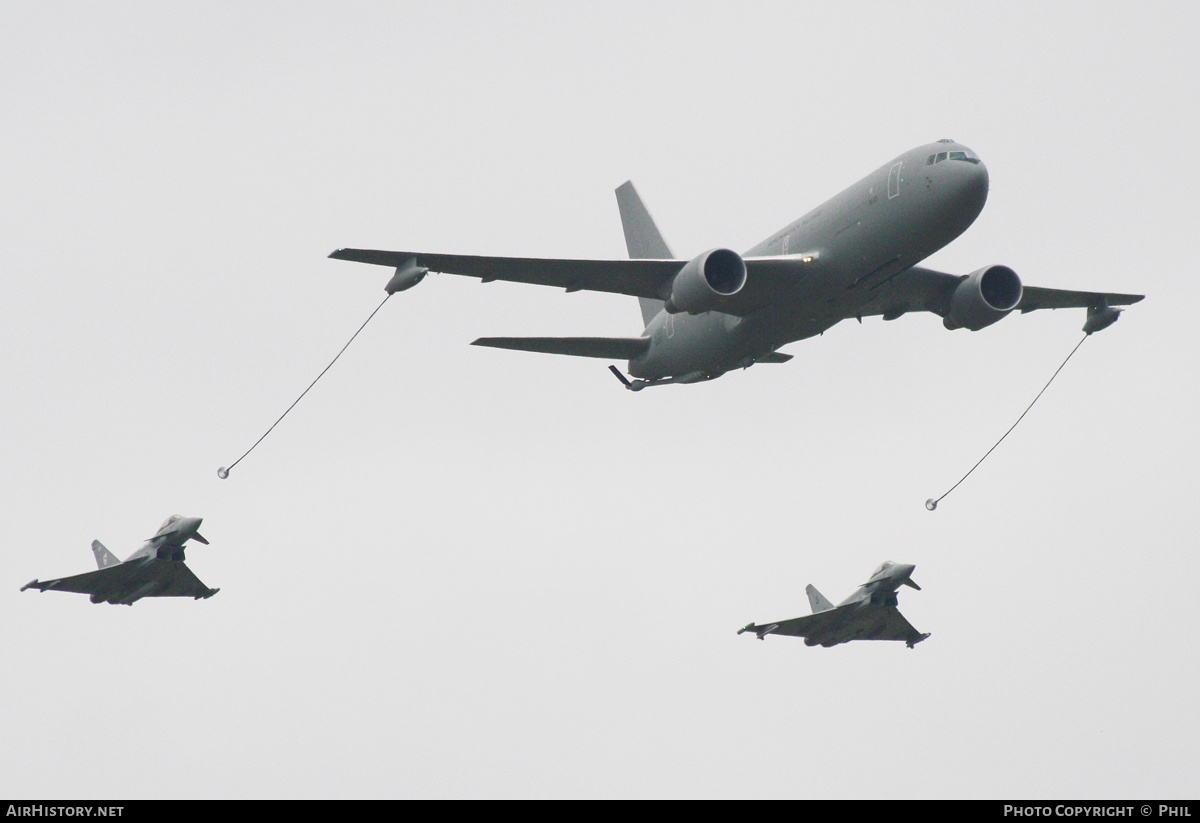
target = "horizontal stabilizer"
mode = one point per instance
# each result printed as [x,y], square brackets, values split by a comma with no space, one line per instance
[609,348]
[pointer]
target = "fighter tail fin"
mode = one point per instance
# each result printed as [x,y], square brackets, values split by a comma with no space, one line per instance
[642,238]
[817,600]
[104,558]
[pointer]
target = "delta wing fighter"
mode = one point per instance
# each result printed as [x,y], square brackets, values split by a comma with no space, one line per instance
[868,614]
[155,570]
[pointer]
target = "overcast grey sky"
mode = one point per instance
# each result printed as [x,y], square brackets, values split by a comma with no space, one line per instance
[456,572]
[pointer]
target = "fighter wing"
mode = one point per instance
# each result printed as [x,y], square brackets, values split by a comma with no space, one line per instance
[883,623]
[100,581]
[766,278]
[178,581]
[173,579]
[859,621]
[921,289]
[811,625]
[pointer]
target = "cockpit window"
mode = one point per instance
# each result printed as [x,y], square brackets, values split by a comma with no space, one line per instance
[951,155]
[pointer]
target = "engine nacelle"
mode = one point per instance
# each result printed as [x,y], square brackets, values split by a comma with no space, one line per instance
[704,282]
[983,297]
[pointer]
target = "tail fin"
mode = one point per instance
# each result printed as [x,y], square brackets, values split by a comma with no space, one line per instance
[817,600]
[642,239]
[104,558]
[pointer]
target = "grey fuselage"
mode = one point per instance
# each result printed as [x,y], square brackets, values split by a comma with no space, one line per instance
[169,541]
[880,590]
[853,245]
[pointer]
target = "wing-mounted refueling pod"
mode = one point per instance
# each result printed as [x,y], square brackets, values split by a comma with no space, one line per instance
[1100,316]
[407,275]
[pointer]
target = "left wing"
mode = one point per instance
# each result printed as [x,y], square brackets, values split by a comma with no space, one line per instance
[767,278]
[921,289]
[179,581]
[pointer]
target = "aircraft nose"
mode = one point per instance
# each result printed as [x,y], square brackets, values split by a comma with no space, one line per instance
[190,525]
[971,184]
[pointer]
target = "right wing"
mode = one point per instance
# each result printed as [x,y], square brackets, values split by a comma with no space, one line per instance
[100,581]
[812,625]
[768,279]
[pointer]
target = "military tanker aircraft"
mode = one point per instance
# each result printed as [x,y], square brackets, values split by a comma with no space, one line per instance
[853,256]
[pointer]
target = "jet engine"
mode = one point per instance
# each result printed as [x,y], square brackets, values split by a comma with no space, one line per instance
[983,297]
[705,281]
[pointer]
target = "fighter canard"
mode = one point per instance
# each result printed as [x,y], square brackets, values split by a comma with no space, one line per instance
[868,614]
[154,570]
[852,257]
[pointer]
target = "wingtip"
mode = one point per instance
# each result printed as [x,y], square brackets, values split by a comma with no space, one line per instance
[919,638]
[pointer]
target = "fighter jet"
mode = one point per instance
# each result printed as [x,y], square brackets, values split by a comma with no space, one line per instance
[852,257]
[154,570]
[868,614]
